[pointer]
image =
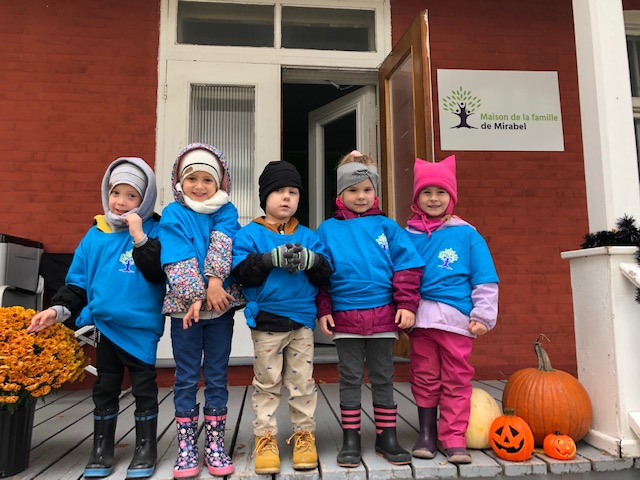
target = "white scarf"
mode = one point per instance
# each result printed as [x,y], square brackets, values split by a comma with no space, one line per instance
[210,205]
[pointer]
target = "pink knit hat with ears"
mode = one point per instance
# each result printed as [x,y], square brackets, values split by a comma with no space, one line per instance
[439,174]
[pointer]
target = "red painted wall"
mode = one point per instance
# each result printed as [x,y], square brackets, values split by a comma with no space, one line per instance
[79,84]
[530,206]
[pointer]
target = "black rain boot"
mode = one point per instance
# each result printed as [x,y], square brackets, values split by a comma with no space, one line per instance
[104,432]
[425,446]
[146,454]
[349,455]
[386,440]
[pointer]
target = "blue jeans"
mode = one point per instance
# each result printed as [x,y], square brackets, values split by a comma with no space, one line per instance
[211,338]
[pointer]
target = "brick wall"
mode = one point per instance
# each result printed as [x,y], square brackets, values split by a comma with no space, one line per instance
[530,206]
[79,89]
[631,4]
[79,83]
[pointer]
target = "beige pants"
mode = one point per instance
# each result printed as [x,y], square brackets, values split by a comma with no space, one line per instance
[283,358]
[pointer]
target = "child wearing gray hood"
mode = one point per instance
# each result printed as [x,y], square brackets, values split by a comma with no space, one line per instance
[116,283]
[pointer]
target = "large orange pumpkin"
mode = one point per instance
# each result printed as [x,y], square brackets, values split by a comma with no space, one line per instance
[548,400]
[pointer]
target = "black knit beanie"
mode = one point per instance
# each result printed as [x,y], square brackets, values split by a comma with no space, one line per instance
[276,175]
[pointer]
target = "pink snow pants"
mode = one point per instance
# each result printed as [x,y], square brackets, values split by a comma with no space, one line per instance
[441,376]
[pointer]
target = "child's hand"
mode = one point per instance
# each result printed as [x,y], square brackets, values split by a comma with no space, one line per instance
[300,258]
[217,298]
[277,257]
[42,320]
[477,327]
[193,313]
[134,222]
[405,318]
[326,324]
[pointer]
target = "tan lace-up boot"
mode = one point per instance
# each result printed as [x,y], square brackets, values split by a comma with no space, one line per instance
[305,455]
[267,455]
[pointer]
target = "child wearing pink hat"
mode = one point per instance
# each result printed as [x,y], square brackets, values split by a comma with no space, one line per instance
[458,301]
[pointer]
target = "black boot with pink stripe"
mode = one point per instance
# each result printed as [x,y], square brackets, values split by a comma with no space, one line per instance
[386,440]
[349,455]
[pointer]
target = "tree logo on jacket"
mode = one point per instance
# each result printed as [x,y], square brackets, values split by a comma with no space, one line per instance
[448,256]
[383,242]
[127,260]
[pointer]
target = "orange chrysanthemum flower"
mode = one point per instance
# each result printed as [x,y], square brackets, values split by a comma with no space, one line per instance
[32,364]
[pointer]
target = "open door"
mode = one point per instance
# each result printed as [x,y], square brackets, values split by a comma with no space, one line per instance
[406,124]
[406,118]
[361,106]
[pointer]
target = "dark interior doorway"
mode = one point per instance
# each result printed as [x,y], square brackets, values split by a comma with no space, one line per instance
[297,101]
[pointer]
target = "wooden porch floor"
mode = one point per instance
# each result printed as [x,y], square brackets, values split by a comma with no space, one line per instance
[63,425]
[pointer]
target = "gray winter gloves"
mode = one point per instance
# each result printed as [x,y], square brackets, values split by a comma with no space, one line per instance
[276,257]
[303,258]
[292,256]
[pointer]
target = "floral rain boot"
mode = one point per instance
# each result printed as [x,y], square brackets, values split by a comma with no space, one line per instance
[215,458]
[187,464]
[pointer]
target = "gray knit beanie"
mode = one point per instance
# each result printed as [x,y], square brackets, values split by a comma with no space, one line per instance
[128,174]
[355,172]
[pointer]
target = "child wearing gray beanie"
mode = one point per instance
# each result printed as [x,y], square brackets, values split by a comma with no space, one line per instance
[372,294]
[135,172]
[119,254]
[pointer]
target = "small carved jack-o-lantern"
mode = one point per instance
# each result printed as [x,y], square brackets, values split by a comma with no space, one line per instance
[511,438]
[560,447]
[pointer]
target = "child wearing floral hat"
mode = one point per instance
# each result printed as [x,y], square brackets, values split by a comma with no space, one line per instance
[196,231]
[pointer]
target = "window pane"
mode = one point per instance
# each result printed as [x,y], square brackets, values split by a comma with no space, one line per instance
[402,135]
[328,29]
[636,124]
[224,116]
[633,48]
[225,24]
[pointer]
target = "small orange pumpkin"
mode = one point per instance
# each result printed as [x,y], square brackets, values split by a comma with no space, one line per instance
[511,438]
[560,447]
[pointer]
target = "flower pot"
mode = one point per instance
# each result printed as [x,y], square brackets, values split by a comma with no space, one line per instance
[15,438]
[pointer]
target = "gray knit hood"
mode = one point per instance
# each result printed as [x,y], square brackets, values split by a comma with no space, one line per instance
[145,210]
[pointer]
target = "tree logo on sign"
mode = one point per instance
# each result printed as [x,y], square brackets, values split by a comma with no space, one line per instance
[463,104]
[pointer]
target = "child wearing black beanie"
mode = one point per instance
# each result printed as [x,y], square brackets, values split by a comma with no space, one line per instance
[280,265]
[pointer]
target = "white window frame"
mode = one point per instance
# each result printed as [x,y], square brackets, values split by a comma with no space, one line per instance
[171,50]
[263,67]
[231,58]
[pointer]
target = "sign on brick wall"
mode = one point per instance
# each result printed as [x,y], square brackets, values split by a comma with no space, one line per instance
[499,110]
